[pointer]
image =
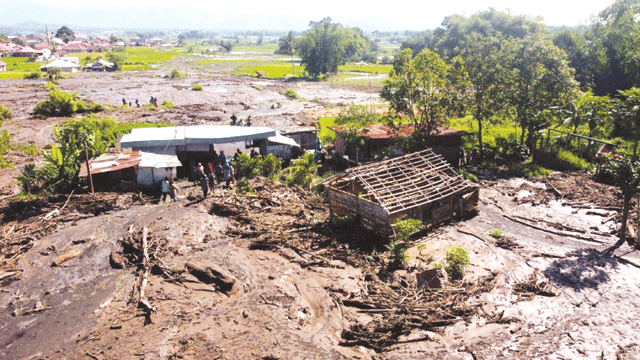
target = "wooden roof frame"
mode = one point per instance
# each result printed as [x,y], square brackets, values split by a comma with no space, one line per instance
[405,182]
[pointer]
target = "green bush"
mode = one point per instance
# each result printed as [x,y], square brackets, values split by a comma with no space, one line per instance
[303,171]
[467,175]
[496,233]
[405,228]
[5,113]
[175,74]
[398,250]
[167,104]
[243,187]
[34,75]
[291,94]
[30,149]
[269,166]
[457,260]
[197,87]
[61,103]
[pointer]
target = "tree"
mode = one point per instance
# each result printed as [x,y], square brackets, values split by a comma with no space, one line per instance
[65,34]
[322,48]
[626,175]
[286,44]
[540,84]
[628,111]
[328,45]
[488,78]
[594,111]
[426,89]
[116,59]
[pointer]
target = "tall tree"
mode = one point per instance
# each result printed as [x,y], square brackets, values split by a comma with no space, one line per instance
[286,44]
[488,77]
[541,83]
[426,88]
[328,45]
[65,34]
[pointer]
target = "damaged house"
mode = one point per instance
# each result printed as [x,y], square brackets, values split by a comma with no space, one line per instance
[445,142]
[134,167]
[419,185]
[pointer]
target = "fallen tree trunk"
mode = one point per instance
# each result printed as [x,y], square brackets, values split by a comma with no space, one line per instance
[66,257]
[224,281]
[144,275]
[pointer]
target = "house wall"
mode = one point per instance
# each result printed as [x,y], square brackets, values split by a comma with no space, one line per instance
[368,214]
[153,176]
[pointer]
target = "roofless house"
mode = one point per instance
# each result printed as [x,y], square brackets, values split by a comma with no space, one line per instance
[419,185]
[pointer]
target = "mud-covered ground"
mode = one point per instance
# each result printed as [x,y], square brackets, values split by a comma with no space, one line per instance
[306,289]
[223,95]
[549,287]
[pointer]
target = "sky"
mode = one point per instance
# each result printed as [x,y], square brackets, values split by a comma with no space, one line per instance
[288,14]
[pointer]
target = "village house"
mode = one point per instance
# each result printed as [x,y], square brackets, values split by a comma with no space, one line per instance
[23,51]
[419,185]
[64,65]
[135,167]
[193,144]
[445,142]
[101,65]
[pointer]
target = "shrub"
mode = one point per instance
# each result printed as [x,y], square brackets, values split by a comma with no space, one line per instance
[303,171]
[398,250]
[61,103]
[270,166]
[457,260]
[167,104]
[30,149]
[175,74]
[291,94]
[467,175]
[197,87]
[496,233]
[34,75]
[5,113]
[406,228]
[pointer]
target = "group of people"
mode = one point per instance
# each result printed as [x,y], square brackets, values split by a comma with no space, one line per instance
[241,122]
[124,102]
[216,170]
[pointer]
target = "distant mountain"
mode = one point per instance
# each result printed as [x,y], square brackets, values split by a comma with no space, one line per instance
[31,15]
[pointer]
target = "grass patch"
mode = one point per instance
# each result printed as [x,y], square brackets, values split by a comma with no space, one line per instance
[561,160]
[326,134]
[21,64]
[197,87]
[366,68]
[528,170]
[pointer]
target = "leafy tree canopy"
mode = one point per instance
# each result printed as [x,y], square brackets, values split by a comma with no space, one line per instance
[65,34]
[328,45]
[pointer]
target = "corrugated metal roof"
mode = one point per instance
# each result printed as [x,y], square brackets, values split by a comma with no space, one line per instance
[382,131]
[199,134]
[114,162]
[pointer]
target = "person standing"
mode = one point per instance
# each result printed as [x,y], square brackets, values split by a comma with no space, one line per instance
[233,119]
[174,191]
[165,188]
[204,184]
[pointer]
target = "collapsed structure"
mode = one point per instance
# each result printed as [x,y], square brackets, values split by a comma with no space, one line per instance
[419,185]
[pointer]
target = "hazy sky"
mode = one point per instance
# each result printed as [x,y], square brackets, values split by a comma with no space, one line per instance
[398,14]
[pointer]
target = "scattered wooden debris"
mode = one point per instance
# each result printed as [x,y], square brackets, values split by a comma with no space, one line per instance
[208,275]
[70,254]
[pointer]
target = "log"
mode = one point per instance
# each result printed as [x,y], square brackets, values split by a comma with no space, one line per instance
[208,275]
[66,257]
[609,218]
[144,275]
